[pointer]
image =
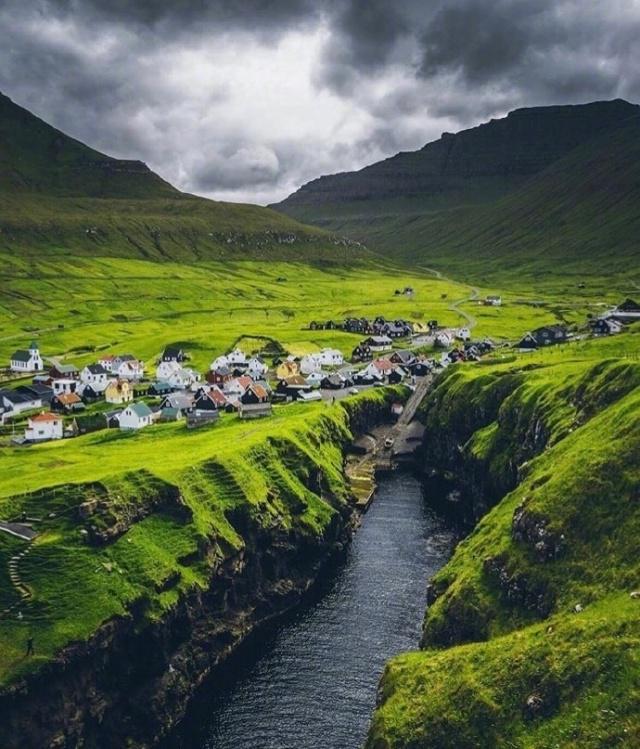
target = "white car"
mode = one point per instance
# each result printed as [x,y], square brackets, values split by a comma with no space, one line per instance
[354,391]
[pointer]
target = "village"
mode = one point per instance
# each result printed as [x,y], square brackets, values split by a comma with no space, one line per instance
[56,399]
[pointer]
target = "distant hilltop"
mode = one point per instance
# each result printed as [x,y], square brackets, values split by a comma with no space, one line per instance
[502,152]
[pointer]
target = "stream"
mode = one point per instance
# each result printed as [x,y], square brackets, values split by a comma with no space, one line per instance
[310,681]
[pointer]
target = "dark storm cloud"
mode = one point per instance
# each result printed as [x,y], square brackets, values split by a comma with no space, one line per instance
[254,15]
[211,93]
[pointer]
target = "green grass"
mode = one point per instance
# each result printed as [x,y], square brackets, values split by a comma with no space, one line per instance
[78,306]
[576,221]
[552,441]
[261,470]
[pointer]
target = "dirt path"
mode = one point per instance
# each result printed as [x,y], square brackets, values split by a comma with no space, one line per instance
[474,293]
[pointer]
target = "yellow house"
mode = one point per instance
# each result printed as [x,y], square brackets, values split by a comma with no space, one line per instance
[118,391]
[420,327]
[287,369]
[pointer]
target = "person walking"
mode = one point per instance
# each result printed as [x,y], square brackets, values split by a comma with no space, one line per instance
[30,649]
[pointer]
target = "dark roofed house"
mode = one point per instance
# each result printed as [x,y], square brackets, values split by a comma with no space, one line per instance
[210,399]
[404,357]
[628,311]
[605,326]
[37,390]
[362,352]
[289,387]
[159,388]
[174,353]
[64,371]
[219,376]
[335,381]
[545,336]
[254,402]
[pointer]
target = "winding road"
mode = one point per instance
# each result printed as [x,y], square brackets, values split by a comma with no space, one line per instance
[474,293]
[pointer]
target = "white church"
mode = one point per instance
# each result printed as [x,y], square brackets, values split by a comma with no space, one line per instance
[28,360]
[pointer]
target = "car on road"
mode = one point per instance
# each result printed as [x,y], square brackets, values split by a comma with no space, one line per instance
[354,391]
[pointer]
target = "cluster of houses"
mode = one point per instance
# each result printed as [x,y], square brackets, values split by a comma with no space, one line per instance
[236,382]
[379,326]
[610,323]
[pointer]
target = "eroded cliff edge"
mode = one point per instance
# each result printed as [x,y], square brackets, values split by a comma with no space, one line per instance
[532,633]
[184,570]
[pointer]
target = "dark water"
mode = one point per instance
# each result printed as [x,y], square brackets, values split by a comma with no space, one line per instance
[311,682]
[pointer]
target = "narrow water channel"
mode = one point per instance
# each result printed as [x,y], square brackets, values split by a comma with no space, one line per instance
[311,682]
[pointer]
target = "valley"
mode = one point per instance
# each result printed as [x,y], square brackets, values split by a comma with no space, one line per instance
[154,554]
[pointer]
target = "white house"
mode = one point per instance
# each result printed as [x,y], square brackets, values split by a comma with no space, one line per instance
[27,360]
[379,369]
[136,416]
[127,367]
[444,339]
[64,385]
[493,300]
[314,379]
[183,378]
[106,361]
[312,395]
[237,386]
[331,357]
[463,334]
[310,363]
[166,369]
[256,368]
[96,376]
[44,426]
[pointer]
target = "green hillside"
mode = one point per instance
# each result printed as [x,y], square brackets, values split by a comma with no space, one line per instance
[58,196]
[532,637]
[498,213]
[578,217]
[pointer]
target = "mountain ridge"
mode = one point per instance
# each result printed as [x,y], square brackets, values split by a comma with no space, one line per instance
[60,196]
[513,146]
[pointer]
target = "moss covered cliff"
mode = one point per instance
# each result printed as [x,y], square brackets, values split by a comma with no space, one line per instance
[143,579]
[532,633]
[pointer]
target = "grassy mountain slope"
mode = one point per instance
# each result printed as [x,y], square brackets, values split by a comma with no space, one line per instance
[532,636]
[184,495]
[469,166]
[57,195]
[579,216]
[542,192]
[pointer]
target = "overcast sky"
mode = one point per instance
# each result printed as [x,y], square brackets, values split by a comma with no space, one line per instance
[246,100]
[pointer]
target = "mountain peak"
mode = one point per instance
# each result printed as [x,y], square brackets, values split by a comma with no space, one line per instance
[37,158]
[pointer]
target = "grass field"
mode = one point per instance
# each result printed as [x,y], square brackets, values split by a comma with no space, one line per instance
[260,469]
[533,638]
[78,306]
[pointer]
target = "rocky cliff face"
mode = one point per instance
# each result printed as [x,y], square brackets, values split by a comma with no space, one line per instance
[501,152]
[530,627]
[131,680]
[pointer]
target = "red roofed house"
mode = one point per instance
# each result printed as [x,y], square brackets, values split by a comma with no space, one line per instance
[379,368]
[254,402]
[44,426]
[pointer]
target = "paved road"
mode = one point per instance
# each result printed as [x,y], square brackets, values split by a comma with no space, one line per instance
[25,532]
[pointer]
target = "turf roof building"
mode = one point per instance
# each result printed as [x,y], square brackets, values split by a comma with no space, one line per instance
[26,360]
